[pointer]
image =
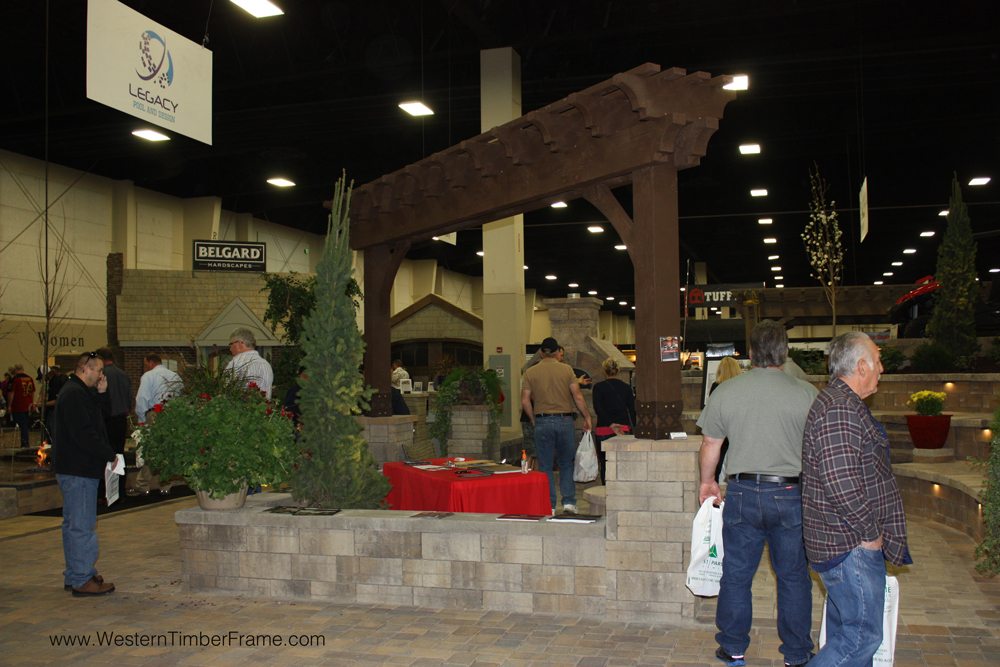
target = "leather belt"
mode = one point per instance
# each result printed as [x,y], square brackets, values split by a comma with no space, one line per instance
[555,414]
[757,477]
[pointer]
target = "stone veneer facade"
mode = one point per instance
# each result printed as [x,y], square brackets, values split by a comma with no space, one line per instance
[629,566]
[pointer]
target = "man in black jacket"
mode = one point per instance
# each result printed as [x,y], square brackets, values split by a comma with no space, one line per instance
[79,460]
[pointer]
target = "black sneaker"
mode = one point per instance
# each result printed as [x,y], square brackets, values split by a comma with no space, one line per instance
[730,660]
[800,664]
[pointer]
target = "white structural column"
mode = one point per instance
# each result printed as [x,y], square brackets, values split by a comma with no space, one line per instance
[504,330]
[124,233]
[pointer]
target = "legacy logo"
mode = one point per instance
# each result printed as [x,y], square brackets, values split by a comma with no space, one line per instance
[153,53]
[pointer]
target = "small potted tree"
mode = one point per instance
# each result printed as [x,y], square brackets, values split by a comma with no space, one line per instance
[221,437]
[928,428]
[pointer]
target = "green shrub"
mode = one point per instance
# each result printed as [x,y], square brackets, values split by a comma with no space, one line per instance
[813,362]
[988,551]
[892,358]
[932,358]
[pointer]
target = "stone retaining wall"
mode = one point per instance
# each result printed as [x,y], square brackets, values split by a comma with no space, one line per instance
[629,566]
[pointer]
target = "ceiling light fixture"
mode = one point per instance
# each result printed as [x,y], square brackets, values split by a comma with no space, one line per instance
[623,303]
[633,307]
[416,108]
[979,180]
[943,213]
[749,149]
[280,182]
[551,277]
[739,82]
[758,192]
[609,298]
[779,285]
[573,285]
[770,240]
[779,277]
[995,270]
[559,204]
[927,234]
[480,253]
[897,263]
[776,268]
[886,274]
[150,135]
[592,292]
[771,258]
[910,251]
[764,221]
[877,282]
[595,229]
[620,246]
[259,9]
[525,267]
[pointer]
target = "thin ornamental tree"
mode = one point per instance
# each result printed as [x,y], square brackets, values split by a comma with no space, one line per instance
[822,240]
[953,322]
[337,469]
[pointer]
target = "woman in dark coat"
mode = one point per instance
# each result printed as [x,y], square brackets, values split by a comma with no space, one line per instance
[614,404]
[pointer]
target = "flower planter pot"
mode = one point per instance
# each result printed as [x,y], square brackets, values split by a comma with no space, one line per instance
[928,431]
[233,501]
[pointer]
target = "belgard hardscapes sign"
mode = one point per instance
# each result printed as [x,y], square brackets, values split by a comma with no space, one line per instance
[229,256]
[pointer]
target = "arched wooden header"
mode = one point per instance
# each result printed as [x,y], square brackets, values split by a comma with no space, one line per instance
[639,127]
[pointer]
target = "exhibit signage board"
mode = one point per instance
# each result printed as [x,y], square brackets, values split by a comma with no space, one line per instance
[229,256]
[148,71]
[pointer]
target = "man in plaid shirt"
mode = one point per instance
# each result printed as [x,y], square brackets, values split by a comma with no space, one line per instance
[852,513]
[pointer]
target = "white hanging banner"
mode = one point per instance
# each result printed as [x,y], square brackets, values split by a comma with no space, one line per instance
[148,71]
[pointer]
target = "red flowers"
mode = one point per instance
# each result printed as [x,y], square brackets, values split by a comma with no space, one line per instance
[158,408]
[251,385]
[204,396]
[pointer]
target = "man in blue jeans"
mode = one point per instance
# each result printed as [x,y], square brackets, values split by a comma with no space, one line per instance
[852,511]
[763,413]
[79,458]
[550,398]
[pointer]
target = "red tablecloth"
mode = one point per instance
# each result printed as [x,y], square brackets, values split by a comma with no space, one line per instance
[444,490]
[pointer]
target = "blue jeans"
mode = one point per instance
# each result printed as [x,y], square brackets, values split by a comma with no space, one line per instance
[79,528]
[23,421]
[554,441]
[756,513]
[854,609]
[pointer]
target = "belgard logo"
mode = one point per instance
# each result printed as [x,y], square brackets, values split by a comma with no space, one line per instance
[153,54]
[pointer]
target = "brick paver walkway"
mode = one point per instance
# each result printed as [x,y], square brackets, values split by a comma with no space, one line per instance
[949,615]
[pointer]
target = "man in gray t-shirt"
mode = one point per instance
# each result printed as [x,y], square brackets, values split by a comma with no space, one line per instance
[763,413]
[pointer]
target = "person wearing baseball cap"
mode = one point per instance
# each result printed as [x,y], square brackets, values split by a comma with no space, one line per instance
[551,398]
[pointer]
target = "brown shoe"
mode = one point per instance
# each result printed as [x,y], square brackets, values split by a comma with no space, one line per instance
[93,588]
[98,578]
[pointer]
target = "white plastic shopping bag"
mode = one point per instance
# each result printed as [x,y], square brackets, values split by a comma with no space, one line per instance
[705,569]
[884,656]
[585,466]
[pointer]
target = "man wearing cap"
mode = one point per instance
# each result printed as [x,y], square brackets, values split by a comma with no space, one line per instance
[763,413]
[550,397]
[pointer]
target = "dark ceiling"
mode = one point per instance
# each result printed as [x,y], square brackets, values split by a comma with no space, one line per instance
[905,93]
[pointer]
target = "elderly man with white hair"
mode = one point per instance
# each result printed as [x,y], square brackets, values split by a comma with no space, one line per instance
[247,363]
[852,512]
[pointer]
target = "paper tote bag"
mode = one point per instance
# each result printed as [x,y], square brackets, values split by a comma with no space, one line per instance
[705,570]
[585,465]
[884,656]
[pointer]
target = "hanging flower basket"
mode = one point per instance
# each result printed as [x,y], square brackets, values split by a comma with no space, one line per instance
[928,431]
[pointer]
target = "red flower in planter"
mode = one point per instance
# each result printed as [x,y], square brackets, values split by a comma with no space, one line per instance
[158,407]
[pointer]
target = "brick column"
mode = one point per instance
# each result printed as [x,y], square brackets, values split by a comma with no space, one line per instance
[386,436]
[652,496]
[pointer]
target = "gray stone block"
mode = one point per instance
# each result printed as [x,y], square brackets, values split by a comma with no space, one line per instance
[455,546]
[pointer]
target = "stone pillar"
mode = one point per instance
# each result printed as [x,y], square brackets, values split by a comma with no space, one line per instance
[573,322]
[652,497]
[504,324]
[387,436]
[470,433]
[124,234]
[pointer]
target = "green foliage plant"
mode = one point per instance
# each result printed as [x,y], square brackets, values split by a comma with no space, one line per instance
[812,362]
[336,468]
[932,358]
[219,435]
[892,358]
[465,386]
[953,322]
[822,239]
[927,403]
[988,551]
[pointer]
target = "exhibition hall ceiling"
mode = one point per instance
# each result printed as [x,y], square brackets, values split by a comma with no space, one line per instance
[904,93]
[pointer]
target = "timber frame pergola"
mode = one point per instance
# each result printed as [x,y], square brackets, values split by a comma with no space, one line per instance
[640,127]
